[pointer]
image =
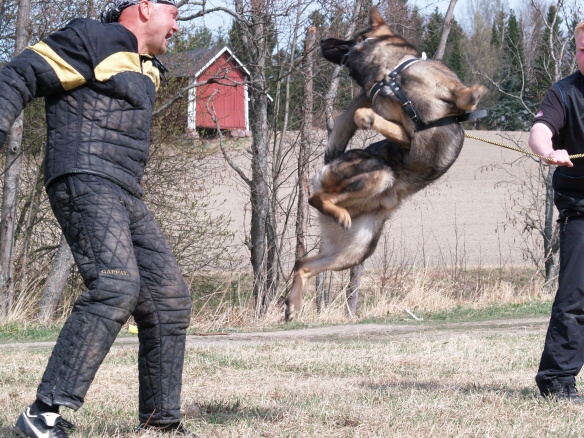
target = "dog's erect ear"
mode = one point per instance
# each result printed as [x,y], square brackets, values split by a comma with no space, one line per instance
[378,24]
[334,50]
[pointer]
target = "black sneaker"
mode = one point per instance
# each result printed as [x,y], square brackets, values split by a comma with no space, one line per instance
[562,391]
[42,425]
[176,429]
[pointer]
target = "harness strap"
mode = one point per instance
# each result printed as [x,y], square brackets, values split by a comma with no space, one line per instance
[474,115]
[385,82]
[390,82]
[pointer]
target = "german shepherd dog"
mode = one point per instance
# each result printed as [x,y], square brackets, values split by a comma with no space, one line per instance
[357,191]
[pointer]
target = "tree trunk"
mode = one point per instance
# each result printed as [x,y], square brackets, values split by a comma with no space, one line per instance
[259,199]
[550,235]
[353,291]
[331,93]
[305,141]
[56,281]
[31,209]
[323,293]
[256,41]
[445,30]
[8,221]
[11,176]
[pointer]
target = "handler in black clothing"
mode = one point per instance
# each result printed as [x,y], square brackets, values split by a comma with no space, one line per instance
[99,82]
[557,132]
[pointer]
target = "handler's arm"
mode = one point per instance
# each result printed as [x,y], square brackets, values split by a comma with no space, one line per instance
[540,142]
[53,66]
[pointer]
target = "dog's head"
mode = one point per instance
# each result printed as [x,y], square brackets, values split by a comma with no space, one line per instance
[350,52]
[373,53]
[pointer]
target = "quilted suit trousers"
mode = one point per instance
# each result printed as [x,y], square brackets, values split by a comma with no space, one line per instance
[128,269]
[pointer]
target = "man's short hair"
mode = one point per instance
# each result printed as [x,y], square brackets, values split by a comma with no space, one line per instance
[112,11]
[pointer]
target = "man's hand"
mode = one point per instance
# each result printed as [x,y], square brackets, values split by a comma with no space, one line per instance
[540,142]
[559,158]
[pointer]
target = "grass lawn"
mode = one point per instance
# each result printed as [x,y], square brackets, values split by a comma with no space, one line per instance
[427,383]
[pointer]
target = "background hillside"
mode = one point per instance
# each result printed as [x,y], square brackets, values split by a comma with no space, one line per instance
[466,216]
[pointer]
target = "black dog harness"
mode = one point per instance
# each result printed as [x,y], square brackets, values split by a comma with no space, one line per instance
[389,85]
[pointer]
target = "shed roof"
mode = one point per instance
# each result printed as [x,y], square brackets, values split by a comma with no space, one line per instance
[193,63]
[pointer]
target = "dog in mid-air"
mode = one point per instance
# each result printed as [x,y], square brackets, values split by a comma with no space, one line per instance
[417,104]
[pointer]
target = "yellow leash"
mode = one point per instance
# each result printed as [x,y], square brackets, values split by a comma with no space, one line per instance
[572,157]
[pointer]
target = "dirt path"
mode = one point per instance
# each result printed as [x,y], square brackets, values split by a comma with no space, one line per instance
[347,332]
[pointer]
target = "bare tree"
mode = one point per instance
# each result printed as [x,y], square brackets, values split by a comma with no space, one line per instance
[11,175]
[331,93]
[56,280]
[305,142]
[445,30]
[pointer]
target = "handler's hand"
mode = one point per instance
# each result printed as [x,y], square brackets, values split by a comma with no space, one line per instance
[559,157]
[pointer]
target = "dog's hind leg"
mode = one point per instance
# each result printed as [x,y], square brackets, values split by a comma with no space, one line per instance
[303,270]
[339,249]
[293,300]
[344,129]
[326,204]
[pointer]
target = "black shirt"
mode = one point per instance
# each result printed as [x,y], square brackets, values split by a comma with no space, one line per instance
[562,110]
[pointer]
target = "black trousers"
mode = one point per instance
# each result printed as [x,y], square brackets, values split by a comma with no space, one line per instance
[128,269]
[563,354]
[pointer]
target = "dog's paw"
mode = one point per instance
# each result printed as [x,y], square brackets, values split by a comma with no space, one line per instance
[344,219]
[289,312]
[364,118]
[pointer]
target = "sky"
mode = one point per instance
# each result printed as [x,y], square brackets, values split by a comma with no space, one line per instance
[216,20]
[461,9]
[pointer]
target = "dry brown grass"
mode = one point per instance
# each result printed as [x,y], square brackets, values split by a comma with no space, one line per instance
[428,383]
[385,294]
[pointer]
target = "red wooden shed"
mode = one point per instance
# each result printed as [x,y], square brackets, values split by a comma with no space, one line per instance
[223,94]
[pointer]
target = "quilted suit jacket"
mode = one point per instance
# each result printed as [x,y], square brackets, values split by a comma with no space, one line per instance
[100,93]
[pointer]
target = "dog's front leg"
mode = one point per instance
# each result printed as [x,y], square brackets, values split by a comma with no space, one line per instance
[344,128]
[366,118]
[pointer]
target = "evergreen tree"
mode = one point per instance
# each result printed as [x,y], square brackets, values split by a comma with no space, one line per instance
[453,55]
[509,113]
[191,39]
[513,57]
[498,32]
[432,33]
[545,64]
[235,39]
